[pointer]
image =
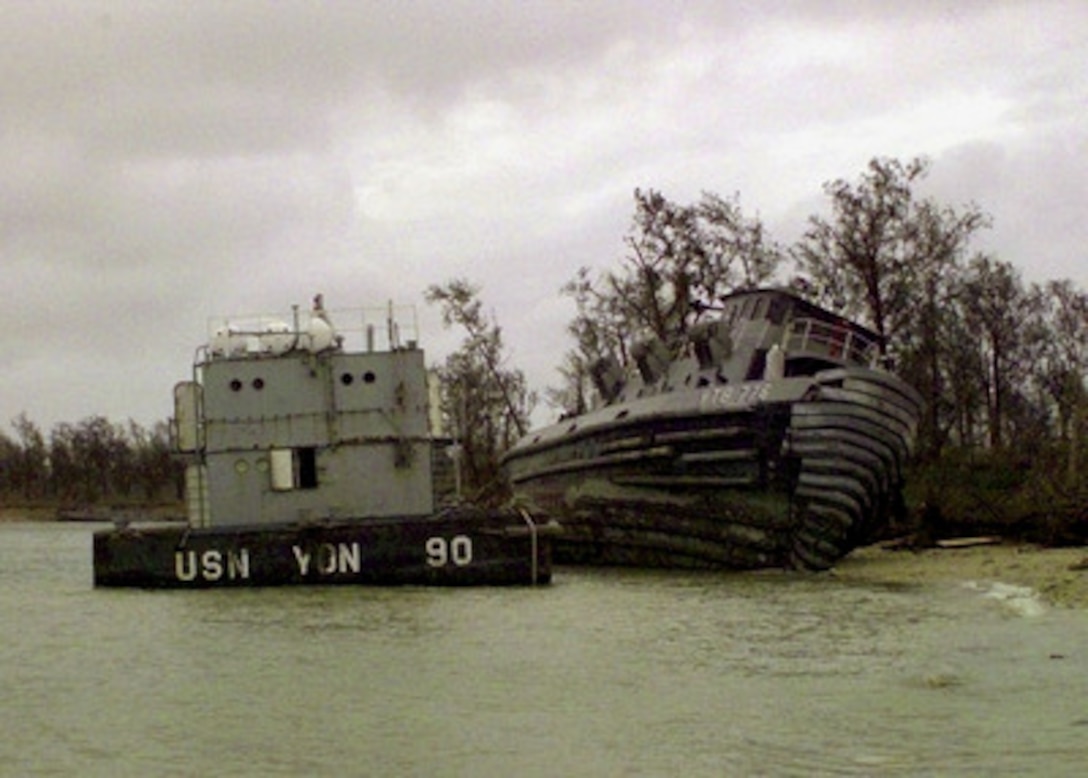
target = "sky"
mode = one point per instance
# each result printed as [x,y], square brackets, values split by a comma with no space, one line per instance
[164,163]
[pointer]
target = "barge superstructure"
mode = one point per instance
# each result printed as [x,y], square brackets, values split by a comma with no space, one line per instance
[308,460]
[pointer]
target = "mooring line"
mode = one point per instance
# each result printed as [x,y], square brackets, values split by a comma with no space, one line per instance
[532,540]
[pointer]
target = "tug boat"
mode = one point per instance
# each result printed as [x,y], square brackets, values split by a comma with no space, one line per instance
[307,462]
[772,437]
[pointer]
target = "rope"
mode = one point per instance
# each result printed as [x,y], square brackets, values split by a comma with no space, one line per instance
[532,541]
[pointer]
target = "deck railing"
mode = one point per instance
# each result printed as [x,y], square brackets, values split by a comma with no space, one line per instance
[376,328]
[836,342]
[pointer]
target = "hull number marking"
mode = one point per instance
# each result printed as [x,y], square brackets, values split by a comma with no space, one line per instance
[322,559]
[738,395]
[456,551]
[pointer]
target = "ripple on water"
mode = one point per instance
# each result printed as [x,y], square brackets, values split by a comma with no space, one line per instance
[606,672]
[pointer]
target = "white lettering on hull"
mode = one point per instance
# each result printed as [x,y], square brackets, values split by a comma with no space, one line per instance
[211,565]
[324,559]
[329,559]
[303,560]
[735,396]
[456,551]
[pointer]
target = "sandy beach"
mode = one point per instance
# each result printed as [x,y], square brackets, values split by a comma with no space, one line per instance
[1059,575]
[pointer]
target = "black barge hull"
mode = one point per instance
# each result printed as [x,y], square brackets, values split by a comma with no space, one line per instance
[455,549]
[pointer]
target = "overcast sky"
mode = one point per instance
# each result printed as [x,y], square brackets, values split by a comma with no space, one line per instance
[163,163]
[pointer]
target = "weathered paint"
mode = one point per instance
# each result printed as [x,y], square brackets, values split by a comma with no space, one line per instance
[309,463]
[473,547]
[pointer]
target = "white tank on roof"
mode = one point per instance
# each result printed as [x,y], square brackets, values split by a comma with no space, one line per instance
[226,342]
[321,335]
[277,338]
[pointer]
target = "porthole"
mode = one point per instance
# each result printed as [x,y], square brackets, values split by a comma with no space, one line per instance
[369,377]
[346,379]
[235,385]
[258,384]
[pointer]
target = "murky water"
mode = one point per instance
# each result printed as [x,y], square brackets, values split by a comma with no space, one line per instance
[604,673]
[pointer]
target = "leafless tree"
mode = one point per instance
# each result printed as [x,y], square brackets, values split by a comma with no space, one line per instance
[486,404]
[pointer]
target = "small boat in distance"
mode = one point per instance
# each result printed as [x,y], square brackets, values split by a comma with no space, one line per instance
[770,438]
[308,462]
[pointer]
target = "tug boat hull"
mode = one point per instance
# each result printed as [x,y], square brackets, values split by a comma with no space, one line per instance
[791,467]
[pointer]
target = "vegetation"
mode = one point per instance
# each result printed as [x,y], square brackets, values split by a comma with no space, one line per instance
[1002,363]
[93,462]
[680,261]
[484,405]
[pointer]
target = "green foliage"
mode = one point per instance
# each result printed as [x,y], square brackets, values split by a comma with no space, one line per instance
[983,491]
[1001,364]
[91,462]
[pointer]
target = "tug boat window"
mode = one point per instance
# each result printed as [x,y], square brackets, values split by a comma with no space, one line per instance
[777,311]
[293,468]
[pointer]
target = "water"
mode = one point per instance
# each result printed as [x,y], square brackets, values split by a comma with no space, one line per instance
[604,673]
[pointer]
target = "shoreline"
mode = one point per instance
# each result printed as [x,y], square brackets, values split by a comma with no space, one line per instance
[63,515]
[1058,575]
[27,514]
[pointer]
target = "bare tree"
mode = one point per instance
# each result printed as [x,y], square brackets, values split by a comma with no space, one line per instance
[891,259]
[882,254]
[486,404]
[857,260]
[1062,369]
[29,469]
[680,261]
[1003,314]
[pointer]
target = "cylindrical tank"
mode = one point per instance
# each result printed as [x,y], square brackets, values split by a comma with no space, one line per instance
[321,335]
[277,338]
[227,343]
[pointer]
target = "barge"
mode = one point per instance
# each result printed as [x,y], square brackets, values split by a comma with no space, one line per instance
[311,462]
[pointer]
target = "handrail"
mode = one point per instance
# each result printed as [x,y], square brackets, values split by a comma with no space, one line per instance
[838,342]
[369,328]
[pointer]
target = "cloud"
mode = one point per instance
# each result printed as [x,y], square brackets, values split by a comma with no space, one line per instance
[164,162]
